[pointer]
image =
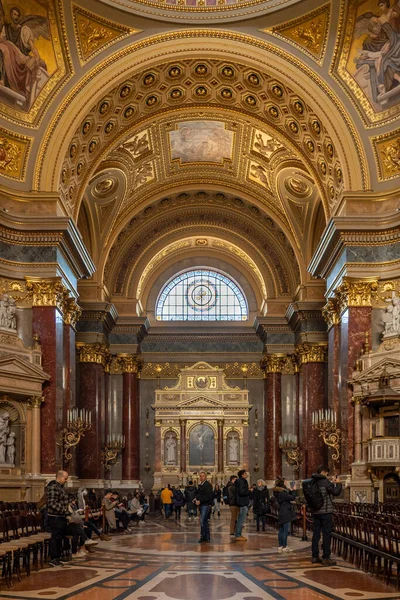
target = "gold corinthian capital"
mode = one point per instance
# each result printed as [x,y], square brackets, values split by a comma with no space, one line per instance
[129,363]
[330,312]
[92,353]
[274,363]
[35,401]
[47,292]
[311,353]
[356,292]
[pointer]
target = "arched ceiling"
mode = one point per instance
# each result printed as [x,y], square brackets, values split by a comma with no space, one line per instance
[159,139]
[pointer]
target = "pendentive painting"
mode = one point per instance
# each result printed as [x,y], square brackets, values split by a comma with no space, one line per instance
[31,59]
[369,62]
[201,141]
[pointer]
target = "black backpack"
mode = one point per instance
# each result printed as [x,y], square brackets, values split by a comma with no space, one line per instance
[312,494]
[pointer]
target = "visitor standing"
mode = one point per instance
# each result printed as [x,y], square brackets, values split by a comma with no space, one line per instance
[204,500]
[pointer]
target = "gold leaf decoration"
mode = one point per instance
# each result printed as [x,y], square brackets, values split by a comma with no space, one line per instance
[13,154]
[94,34]
[308,33]
[387,149]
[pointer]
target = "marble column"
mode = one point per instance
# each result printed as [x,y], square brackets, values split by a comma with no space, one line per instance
[358,430]
[312,367]
[273,366]
[48,296]
[220,446]
[92,359]
[183,445]
[130,366]
[35,404]
[354,304]
[331,316]
[72,313]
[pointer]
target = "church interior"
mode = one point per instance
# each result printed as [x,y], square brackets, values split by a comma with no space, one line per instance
[200,270]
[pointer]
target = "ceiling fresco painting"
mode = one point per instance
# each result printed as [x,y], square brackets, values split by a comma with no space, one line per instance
[369,61]
[201,141]
[32,61]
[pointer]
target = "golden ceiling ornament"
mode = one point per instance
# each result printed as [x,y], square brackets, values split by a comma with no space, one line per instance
[308,33]
[274,363]
[164,86]
[387,155]
[311,353]
[298,187]
[130,363]
[201,242]
[356,292]
[94,33]
[330,312]
[92,353]
[16,289]
[14,151]
[47,292]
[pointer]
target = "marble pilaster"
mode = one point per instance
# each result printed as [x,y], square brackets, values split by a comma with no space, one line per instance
[130,366]
[273,366]
[183,445]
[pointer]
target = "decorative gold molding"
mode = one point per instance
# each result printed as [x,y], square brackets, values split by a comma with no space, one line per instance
[35,401]
[47,292]
[308,33]
[311,353]
[14,151]
[274,363]
[170,371]
[94,34]
[356,292]
[330,312]
[387,154]
[92,353]
[129,363]
[71,312]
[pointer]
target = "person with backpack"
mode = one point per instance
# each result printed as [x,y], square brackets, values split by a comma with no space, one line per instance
[178,500]
[229,495]
[190,494]
[286,498]
[243,501]
[318,492]
[261,504]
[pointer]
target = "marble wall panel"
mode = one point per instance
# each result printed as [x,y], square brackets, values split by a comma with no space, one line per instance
[114,416]
[24,326]
[288,398]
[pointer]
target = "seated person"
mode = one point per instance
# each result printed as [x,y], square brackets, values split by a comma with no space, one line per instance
[115,510]
[137,509]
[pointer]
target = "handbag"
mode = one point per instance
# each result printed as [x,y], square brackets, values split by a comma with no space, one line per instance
[139,512]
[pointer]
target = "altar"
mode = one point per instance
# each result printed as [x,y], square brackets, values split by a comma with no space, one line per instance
[201,424]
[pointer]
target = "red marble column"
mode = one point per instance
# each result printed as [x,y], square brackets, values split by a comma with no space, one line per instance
[333,377]
[47,323]
[91,397]
[220,446]
[130,419]
[69,380]
[107,429]
[183,445]
[356,322]
[273,425]
[313,399]
[297,403]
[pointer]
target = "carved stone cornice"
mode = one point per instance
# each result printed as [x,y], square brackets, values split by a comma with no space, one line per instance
[129,363]
[92,353]
[356,292]
[330,312]
[274,363]
[35,401]
[311,353]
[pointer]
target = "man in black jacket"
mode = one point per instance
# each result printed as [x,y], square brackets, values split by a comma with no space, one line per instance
[243,501]
[231,500]
[323,519]
[57,511]
[204,499]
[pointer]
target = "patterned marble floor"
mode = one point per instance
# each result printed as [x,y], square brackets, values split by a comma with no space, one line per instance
[162,560]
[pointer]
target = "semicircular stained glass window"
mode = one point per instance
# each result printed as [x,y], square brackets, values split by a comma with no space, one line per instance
[201,295]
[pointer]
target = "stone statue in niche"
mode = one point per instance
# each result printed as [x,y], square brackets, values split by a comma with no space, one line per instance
[10,459]
[234,450]
[4,433]
[170,450]
[391,317]
[8,312]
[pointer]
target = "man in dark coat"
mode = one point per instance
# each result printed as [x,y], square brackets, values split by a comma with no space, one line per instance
[242,500]
[204,500]
[323,519]
[233,507]
[57,511]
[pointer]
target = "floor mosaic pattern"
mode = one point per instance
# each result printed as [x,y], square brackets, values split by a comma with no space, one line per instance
[161,560]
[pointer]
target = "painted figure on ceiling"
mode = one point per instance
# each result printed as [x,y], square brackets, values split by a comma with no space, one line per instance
[23,72]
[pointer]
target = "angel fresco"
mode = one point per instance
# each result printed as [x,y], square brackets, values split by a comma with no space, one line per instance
[376,38]
[23,72]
